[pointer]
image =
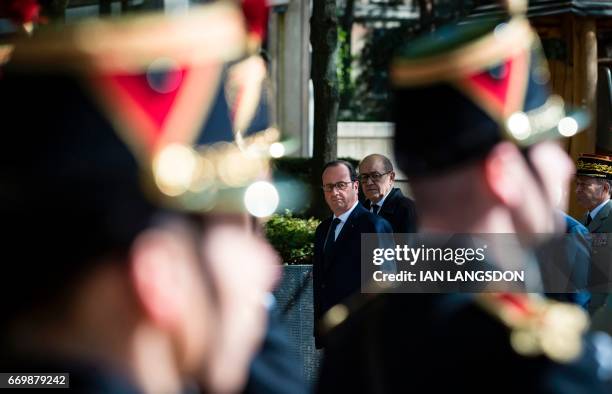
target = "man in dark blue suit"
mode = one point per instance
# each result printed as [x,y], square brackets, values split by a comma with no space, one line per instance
[337,251]
[376,176]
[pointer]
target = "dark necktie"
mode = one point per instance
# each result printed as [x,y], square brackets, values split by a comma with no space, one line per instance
[331,235]
[588,219]
[375,208]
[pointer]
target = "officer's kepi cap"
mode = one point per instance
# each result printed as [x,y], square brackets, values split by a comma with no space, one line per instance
[466,87]
[594,166]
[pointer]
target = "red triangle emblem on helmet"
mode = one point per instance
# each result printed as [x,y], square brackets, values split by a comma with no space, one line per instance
[500,90]
[150,114]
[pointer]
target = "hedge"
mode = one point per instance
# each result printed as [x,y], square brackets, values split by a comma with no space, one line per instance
[292,237]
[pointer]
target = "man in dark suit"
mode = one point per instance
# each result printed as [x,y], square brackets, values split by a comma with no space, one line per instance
[337,250]
[376,177]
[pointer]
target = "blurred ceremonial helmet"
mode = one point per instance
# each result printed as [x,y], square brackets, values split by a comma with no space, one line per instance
[109,121]
[466,87]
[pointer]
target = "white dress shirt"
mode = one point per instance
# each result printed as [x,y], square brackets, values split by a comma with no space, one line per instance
[343,219]
[379,203]
[595,211]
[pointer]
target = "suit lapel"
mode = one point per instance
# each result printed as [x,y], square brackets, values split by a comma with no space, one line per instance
[388,205]
[324,231]
[347,228]
[598,221]
[584,220]
[327,258]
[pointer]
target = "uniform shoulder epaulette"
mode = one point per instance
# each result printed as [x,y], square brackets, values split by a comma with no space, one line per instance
[539,326]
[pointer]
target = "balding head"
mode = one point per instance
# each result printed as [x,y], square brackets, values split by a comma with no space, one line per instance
[376,176]
[376,157]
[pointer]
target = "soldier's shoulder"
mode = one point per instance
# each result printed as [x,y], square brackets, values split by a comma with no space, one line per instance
[528,343]
[538,326]
[533,326]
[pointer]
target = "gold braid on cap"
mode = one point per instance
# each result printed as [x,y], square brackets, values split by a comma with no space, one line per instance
[605,168]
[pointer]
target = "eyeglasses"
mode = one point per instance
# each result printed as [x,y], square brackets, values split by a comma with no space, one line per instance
[340,185]
[374,176]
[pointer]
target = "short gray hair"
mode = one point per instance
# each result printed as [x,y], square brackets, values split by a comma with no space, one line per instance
[609,182]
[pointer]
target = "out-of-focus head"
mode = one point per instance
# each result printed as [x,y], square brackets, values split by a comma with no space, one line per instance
[243,276]
[593,179]
[340,186]
[120,135]
[376,176]
[477,94]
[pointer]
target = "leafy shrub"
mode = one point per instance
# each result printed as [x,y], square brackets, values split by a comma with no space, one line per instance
[293,238]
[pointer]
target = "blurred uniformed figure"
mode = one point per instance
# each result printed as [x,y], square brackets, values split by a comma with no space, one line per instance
[475,130]
[130,146]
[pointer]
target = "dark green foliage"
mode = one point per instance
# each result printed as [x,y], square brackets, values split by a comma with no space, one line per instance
[346,85]
[292,237]
[369,92]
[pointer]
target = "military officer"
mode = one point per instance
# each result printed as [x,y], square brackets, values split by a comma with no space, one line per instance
[593,188]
